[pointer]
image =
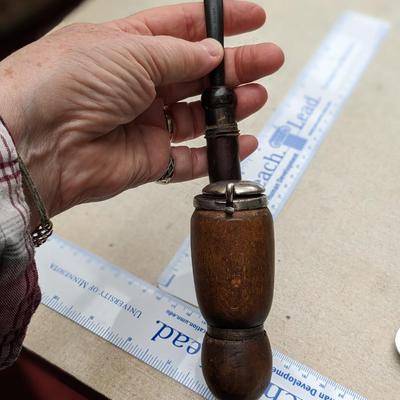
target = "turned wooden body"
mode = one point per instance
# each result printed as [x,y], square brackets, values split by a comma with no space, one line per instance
[232,243]
[233,266]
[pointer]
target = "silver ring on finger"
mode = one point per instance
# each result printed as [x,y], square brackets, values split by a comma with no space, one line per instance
[169,123]
[169,173]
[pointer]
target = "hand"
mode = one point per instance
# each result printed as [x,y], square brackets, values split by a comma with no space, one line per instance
[85,103]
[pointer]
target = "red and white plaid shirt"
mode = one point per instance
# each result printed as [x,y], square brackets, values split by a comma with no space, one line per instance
[19,290]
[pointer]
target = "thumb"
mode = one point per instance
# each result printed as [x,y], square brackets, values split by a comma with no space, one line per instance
[171,60]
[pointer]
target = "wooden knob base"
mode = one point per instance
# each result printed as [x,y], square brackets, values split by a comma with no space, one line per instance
[238,369]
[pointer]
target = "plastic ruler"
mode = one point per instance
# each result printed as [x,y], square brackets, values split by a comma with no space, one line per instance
[161,329]
[157,328]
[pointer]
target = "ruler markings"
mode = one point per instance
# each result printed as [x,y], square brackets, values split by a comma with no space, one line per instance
[163,330]
[169,362]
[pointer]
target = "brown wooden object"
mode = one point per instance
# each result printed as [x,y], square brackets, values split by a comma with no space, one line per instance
[232,241]
[233,266]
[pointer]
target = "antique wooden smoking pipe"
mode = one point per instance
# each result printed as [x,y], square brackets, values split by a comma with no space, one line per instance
[232,244]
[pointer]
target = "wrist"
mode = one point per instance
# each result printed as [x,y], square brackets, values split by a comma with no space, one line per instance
[43,228]
[38,222]
[34,217]
[10,110]
[11,117]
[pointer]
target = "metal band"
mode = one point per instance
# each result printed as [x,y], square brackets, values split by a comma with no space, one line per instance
[169,173]
[204,202]
[216,131]
[231,196]
[169,123]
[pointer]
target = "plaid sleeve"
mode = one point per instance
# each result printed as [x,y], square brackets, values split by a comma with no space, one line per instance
[19,290]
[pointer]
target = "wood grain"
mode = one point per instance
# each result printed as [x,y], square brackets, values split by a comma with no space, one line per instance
[233,266]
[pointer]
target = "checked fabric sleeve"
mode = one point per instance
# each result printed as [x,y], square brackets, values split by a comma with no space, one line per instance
[19,290]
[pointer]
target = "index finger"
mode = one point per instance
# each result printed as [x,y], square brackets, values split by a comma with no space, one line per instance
[186,21]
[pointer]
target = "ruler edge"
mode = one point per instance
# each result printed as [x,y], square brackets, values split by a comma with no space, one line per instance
[385,26]
[108,339]
[149,287]
[328,381]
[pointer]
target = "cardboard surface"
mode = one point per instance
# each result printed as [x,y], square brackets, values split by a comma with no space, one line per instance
[337,295]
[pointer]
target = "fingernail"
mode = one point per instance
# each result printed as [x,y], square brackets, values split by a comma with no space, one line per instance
[213,47]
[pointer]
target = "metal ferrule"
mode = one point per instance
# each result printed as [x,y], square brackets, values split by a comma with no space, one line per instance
[231,196]
[222,133]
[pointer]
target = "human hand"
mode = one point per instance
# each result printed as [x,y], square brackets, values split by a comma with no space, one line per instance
[85,103]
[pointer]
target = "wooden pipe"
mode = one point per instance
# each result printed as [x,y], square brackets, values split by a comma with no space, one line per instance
[232,244]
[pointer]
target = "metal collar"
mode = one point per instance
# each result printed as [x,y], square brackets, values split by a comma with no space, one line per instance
[231,196]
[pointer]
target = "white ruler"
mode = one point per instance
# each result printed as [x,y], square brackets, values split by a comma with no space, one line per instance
[166,332]
[292,136]
[152,325]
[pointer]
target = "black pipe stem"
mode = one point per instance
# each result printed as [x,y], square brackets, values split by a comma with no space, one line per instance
[219,103]
[214,12]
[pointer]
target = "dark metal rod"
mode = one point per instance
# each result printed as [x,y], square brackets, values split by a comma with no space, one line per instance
[219,103]
[214,10]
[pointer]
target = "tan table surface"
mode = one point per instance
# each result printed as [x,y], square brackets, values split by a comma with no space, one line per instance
[337,238]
